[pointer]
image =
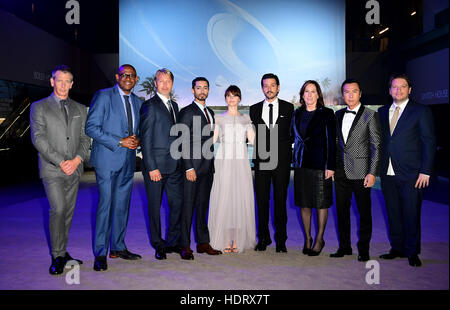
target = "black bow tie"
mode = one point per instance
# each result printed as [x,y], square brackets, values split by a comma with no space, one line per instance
[348,111]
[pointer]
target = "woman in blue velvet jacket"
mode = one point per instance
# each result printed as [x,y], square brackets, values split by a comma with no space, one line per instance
[314,158]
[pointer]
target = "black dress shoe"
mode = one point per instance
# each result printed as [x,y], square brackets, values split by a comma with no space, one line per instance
[125,254]
[186,253]
[100,263]
[363,257]
[317,253]
[57,266]
[414,261]
[67,257]
[281,248]
[341,252]
[262,245]
[392,254]
[173,249]
[160,254]
[306,249]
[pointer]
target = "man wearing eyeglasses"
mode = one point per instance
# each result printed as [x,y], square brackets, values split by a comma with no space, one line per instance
[113,124]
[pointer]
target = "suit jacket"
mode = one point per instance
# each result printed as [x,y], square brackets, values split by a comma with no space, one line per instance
[412,145]
[361,154]
[107,124]
[54,139]
[154,130]
[317,148]
[194,157]
[284,138]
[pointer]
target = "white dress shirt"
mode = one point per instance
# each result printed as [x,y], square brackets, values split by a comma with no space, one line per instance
[265,111]
[347,121]
[402,107]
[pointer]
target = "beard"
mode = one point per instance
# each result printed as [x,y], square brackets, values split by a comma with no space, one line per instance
[271,95]
[201,97]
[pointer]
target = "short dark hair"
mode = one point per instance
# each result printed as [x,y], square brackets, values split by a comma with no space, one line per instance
[198,79]
[270,76]
[399,76]
[62,68]
[350,81]
[126,65]
[320,102]
[234,90]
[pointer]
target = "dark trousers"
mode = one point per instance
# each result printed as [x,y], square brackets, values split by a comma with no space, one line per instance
[344,188]
[196,199]
[403,205]
[280,180]
[172,184]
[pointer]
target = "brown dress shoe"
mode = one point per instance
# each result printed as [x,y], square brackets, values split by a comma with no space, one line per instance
[206,248]
[186,253]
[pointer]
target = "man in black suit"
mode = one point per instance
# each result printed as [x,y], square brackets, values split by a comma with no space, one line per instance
[161,171]
[408,149]
[272,160]
[198,159]
[358,158]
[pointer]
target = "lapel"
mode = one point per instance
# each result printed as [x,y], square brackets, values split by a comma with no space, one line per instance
[117,107]
[281,111]
[259,109]
[163,108]
[355,121]
[198,111]
[56,108]
[403,119]
[339,118]
[312,122]
[135,109]
[71,111]
[383,113]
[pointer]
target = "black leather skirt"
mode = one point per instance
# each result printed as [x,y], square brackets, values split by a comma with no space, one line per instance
[311,190]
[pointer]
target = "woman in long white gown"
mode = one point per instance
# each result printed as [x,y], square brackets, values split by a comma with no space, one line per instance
[231,220]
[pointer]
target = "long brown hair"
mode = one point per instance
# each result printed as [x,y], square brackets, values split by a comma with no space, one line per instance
[320,102]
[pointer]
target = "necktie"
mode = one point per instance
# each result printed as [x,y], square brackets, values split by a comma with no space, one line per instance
[207,116]
[64,109]
[129,116]
[169,104]
[394,119]
[348,111]
[270,115]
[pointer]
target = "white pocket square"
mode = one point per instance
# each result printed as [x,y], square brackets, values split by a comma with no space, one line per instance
[76,116]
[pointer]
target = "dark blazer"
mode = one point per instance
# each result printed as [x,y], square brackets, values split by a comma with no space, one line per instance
[194,157]
[361,154]
[154,132]
[284,139]
[317,149]
[412,145]
[54,139]
[107,124]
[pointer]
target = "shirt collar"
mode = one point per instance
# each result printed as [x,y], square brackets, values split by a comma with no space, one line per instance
[355,109]
[200,105]
[275,102]
[402,105]
[57,99]
[163,98]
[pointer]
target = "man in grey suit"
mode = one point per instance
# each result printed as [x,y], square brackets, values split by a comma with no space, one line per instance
[57,131]
[358,157]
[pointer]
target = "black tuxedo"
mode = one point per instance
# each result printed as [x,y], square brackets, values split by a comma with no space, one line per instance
[356,158]
[278,175]
[411,148]
[196,194]
[155,125]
